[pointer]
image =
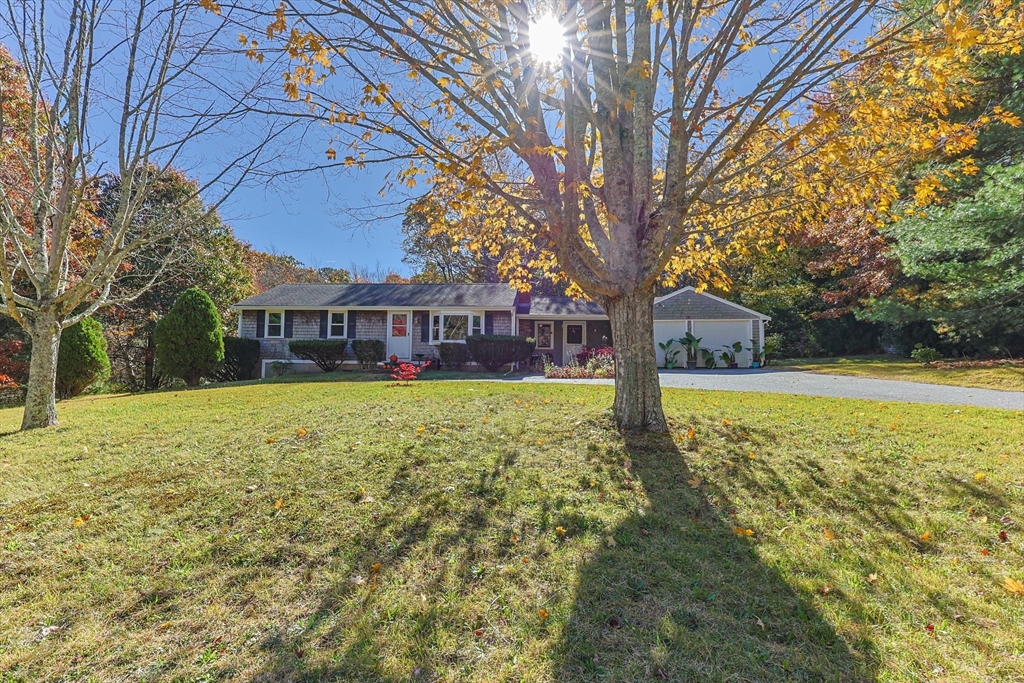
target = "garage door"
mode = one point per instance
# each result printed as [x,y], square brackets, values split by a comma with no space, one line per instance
[719,333]
[665,330]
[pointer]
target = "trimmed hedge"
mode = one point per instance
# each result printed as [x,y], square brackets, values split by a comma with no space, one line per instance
[240,359]
[189,341]
[82,359]
[369,352]
[453,355]
[494,351]
[328,354]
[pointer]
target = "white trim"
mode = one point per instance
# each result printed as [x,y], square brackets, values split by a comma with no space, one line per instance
[344,325]
[532,316]
[761,316]
[541,322]
[565,337]
[266,323]
[408,333]
[469,313]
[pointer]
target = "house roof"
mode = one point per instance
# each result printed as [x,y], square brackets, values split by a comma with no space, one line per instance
[384,296]
[561,306]
[689,303]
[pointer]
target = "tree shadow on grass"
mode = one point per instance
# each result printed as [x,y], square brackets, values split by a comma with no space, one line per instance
[677,594]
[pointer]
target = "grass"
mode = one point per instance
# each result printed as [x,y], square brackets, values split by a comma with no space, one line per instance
[497,532]
[1007,378]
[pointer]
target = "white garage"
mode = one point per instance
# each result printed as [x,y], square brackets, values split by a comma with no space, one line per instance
[717,322]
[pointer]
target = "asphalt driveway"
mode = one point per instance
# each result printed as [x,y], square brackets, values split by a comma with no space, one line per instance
[791,381]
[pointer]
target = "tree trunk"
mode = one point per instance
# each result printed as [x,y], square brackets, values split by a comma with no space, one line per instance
[40,400]
[150,382]
[637,391]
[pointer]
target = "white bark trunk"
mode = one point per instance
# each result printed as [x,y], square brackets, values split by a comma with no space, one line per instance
[40,400]
[637,390]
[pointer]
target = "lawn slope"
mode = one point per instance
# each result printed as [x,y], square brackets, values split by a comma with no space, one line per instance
[475,531]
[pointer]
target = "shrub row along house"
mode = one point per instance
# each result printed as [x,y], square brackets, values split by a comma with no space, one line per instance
[414,319]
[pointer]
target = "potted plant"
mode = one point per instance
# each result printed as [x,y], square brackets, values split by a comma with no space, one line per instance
[730,353]
[671,353]
[692,346]
[709,358]
[755,353]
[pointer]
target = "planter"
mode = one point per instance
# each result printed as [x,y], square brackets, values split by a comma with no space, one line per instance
[691,365]
[755,364]
[734,365]
[670,366]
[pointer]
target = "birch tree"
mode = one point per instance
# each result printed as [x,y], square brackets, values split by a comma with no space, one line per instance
[126,90]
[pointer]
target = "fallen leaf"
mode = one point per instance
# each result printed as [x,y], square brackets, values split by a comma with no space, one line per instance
[740,531]
[694,483]
[1013,586]
[420,430]
[301,432]
[852,430]
[1004,537]
[872,579]
[526,560]
[826,589]
[375,567]
[726,422]
[560,531]
[985,551]
[611,542]
[926,536]
[271,440]
[751,456]
[691,432]
[79,521]
[829,534]
[930,628]
[278,504]
[478,632]
[543,614]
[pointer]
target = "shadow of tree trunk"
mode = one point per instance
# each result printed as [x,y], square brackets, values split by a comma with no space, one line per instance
[677,594]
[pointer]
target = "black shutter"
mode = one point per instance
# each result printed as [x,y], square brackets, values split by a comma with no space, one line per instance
[323,324]
[289,323]
[488,322]
[351,324]
[261,324]
[425,326]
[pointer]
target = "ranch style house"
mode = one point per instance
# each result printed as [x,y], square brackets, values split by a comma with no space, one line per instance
[412,319]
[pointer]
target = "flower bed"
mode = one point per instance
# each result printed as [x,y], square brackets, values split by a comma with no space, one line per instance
[588,364]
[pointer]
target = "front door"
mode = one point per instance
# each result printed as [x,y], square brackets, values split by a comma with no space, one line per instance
[575,340]
[399,339]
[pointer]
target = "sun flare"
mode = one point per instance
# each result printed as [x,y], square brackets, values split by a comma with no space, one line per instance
[547,39]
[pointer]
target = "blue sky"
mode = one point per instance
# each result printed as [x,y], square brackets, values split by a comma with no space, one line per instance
[311,218]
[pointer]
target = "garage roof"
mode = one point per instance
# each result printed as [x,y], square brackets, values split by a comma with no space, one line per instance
[689,304]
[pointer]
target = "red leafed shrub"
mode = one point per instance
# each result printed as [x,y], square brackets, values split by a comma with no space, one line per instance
[13,370]
[603,353]
[406,372]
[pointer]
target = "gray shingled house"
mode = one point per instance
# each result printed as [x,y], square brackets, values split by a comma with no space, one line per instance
[413,319]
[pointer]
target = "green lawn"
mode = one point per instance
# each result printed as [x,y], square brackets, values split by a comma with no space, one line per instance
[1008,378]
[463,531]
